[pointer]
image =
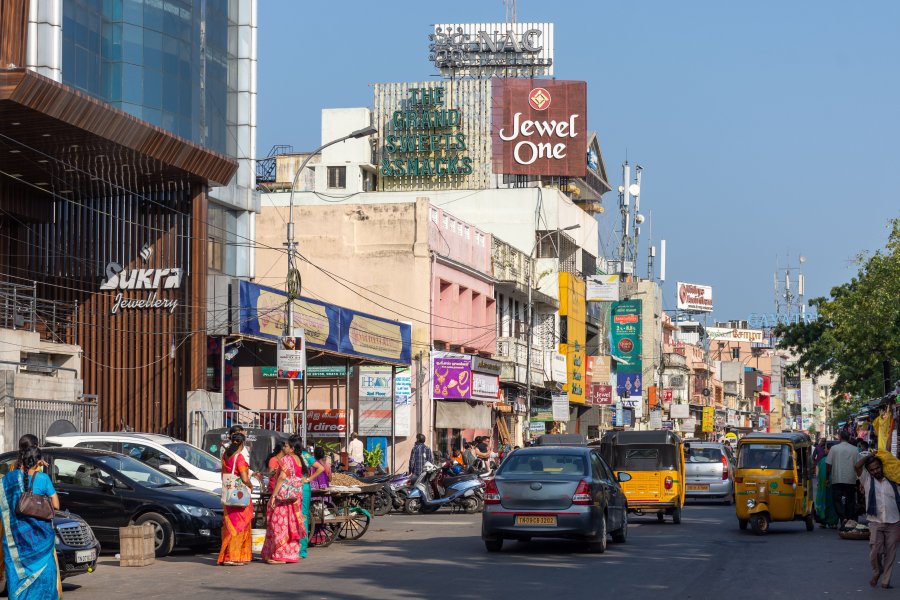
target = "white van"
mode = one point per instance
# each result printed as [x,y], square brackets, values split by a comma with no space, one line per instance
[170,455]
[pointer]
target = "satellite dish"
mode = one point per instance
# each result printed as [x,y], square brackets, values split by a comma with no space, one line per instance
[639,219]
[60,427]
[621,189]
[634,189]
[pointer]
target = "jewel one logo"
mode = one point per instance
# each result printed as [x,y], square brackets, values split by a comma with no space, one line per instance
[539,99]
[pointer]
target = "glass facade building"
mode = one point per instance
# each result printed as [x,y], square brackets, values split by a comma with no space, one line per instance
[143,57]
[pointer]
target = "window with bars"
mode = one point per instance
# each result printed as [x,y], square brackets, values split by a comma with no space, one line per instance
[337,178]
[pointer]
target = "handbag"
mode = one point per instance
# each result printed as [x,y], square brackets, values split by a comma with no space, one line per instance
[234,492]
[36,506]
[291,488]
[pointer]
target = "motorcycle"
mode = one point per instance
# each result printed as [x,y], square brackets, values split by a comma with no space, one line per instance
[460,492]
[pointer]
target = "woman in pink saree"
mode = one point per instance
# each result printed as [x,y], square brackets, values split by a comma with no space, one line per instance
[285,526]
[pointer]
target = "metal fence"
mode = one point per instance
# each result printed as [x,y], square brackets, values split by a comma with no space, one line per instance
[21,308]
[201,421]
[36,416]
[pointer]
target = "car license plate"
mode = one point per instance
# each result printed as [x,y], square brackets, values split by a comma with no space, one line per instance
[536,520]
[698,487]
[84,556]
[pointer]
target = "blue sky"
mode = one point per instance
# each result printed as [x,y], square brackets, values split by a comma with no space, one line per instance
[766,129]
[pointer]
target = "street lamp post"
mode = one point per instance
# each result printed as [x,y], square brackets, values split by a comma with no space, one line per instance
[292,283]
[530,317]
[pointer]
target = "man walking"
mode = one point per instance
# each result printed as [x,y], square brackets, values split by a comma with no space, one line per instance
[883,510]
[419,455]
[840,467]
[355,455]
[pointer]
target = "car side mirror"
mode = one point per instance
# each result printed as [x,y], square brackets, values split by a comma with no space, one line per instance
[107,483]
[170,469]
[623,477]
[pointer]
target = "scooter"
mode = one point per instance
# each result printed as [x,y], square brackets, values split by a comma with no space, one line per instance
[465,492]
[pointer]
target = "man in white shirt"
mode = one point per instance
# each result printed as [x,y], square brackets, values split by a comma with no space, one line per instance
[883,510]
[842,477]
[355,453]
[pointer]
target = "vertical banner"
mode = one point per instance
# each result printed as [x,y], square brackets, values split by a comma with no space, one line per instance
[402,403]
[708,419]
[561,407]
[374,400]
[625,340]
[291,355]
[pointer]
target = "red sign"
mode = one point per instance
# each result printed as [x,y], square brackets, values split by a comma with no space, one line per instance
[326,423]
[667,394]
[539,130]
[601,394]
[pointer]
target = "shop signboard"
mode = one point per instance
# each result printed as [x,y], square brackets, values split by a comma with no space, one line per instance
[603,288]
[708,419]
[679,411]
[655,419]
[317,371]
[485,387]
[537,426]
[727,334]
[485,49]
[668,425]
[560,407]
[539,127]
[689,425]
[807,397]
[625,333]
[601,394]
[629,385]
[667,394]
[402,402]
[291,355]
[155,281]
[329,423]
[452,375]
[555,366]
[571,306]
[327,327]
[691,297]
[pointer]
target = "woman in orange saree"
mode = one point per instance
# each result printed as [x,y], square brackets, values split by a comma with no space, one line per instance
[237,541]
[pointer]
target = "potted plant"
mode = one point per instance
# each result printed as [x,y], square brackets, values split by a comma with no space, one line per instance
[373,459]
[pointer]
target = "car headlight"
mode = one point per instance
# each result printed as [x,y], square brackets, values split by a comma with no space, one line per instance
[751,503]
[194,511]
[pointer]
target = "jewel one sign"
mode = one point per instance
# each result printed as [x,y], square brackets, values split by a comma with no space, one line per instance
[539,127]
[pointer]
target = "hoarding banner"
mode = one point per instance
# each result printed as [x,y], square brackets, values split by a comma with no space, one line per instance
[327,327]
[694,298]
[452,376]
[374,382]
[625,332]
[628,385]
[601,394]
[374,416]
[485,387]
[709,419]
[603,288]
[484,49]
[725,334]
[571,306]
[291,355]
[560,407]
[679,411]
[326,423]
[807,397]
[539,127]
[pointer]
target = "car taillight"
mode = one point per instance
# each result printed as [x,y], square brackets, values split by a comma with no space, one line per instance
[582,493]
[491,493]
[788,480]
[739,480]
[724,468]
[668,483]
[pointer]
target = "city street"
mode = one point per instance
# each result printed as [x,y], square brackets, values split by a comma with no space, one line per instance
[441,556]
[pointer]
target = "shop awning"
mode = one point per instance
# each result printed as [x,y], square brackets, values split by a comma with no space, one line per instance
[455,414]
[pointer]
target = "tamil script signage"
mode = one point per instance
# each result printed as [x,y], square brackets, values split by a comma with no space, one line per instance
[327,327]
[329,423]
[311,372]
[694,298]
[486,49]
[539,127]
[725,334]
[452,375]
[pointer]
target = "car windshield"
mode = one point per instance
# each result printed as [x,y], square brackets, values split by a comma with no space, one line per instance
[196,457]
[544,464]
[137,471]
[703,455]
[765,456]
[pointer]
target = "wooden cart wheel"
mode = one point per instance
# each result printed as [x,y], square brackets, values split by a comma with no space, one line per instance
[323,526]
[355,526]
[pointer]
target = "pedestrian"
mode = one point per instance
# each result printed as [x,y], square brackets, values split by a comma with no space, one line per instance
[237,541]
[840,464]
[863,447]
[285,526]
[319,479]
[29,555]
[419,455]
[819,450]
[883,510]
[482,453]
[824,503]
[308,459]
[355,455]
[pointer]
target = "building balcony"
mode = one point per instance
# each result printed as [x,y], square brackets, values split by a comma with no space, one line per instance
[513,356]
[675,360]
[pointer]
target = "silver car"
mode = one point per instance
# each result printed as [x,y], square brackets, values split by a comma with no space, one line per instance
[709,471]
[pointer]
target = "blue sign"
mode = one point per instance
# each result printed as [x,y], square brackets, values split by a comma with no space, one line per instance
[629,384]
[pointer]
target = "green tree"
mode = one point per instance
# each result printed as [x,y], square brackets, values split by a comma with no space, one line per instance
[857,335]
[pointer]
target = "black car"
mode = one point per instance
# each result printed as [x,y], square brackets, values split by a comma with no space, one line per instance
[76,547]
[112,490]
[559,492]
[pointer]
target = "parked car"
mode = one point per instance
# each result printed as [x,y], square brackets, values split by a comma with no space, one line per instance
[111,490]
[557,492]
[260,443]
[170,455]
[709,471]
[77,548]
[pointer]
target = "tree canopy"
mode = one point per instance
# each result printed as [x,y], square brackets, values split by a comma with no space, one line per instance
[857,335]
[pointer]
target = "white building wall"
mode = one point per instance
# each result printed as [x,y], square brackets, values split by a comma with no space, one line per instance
[44,46]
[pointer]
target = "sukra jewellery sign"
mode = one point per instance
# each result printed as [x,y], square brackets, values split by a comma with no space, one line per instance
[120,278]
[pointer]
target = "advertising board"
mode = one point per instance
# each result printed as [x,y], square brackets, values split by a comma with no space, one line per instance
[539,127]
[291,355]
[694,298]
[485,49]
[603,288]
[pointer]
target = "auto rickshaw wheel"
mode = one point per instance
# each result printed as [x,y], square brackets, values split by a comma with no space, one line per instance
[742,523]
[676,515]
[759,523]
[810,522]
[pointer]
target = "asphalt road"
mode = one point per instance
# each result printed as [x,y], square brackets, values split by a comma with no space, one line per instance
[442,556]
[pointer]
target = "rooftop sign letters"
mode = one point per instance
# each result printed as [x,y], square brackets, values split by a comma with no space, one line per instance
[424,138]
[155,280]
[486,49]
[539,130]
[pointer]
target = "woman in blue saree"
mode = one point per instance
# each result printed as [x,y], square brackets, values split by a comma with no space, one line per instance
[29,553]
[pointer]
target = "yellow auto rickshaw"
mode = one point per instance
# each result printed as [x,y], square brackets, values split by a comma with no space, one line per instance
[655,462]
[773,481]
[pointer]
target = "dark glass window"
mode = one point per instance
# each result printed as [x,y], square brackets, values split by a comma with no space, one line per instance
[337,177]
